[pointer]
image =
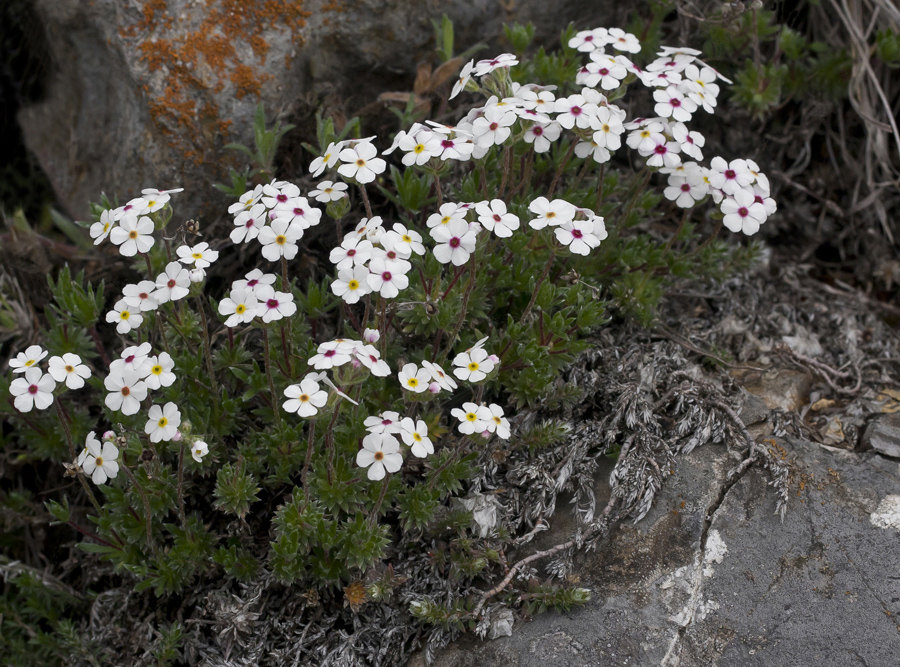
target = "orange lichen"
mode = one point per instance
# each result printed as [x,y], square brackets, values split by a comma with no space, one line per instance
[205,59]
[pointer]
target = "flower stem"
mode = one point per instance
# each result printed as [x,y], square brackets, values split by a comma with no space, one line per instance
[373,515]
[206,348]
[285,285]
[561,169]
[507,166]
[79,474]
[465,306]
[437,189]
[365,198]
[684,219]
[537,285]
[181,484]
[148,517]
[329,439]
[268,360]
[286,350]
[600,178]
[311,442]
[99,345]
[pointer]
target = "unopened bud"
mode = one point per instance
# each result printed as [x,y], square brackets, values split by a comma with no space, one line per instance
[177,437]
[197,275]
[494,358]
[109,436]
[371,336]
[434,388]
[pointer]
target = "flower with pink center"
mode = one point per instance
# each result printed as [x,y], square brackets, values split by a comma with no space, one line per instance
[729,177]
[483,67]
[664,154]
[589,40]
[743,213]
[670,103]
[384,281]
[456,242]
[352,252]
[494,217]
[581,236]
[254,281]
[299,213]
[126,391]
[574,111]
[386,422]
[35,390]
[274,305]
[603,70]
[542,135]
[247,224]
[173,284]
[140,297]
[493,127]
[273,194]
[370,357]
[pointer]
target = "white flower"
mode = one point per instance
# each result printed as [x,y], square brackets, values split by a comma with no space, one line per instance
[456,148]
[574,111]
[743,213]
[173,284]
[623,41]
[384,281]
[353,251]
[247,224]
[456,242]
[607,71]
[407,241]
[688,187]
[380,452]
[157,371]
[279,192]
[305,398]
[580,235]
[597,152]
[331,354]
[729,177]
[691,142]
[127,390]
[91,439]
[448,212]
[298,213]
[274,305]
[761,196]
[663,154]
[464,75]
[473,365]
[140,296]
[472,418]
[483,67]
[542,134]
[125,319]
[386,422]
[352,284]
[25,360]
[240,307]
[700,87]
[589,40]
[494,217]
[670,103]
[493,127]
[133,235]
[329,159]
[156,199]
[100,460]
[608,128]
[198,450]
[759,178]
[361,163]
[371,336]
[415,435]
[498,423]
[132,359]
[443,380]
[278,240]
[200,255]
[256,280]
[163,423]
[420,146]
[368,229]
[369,357]
[328,191]
[100,230]
[246,201]
[552,213]
[69,369]
[413,378]
[645,136]
[34,390]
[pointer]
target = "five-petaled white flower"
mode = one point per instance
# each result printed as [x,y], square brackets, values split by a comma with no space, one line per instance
[100,460]
[370,357]
[125,319]
[100,230]
[443,380]
[353,251]
[305,398]
[126,391]
[415,435]
[743,213]
[331,354]
[247,224]
[163,422]
[200,256]
[157,371]
[133,235]
[498,423]
[383,280]
[255,281]
[327,160]
[140,296]
[274,305]
[173,284]
[33,390]
[456,242]
[25,360]
[473,365]
[361,163]
[386,422]
[239,307]
[414,379]
[380,453]
[279,240]
[494,217]
[464,75]
[552,213]
[352,284]
[472,418]
[581,235]
[329,191]
[69,369]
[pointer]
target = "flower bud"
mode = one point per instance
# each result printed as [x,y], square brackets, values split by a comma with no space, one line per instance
[177,437]
[434,388]
[338,209]
[109,436]
[494,358]
[197,275]
[371,336]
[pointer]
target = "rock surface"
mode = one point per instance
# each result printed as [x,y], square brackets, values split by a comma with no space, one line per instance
[883,434]
[712,577]
[145,94]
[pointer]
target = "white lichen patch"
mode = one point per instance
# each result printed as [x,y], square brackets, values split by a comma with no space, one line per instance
[715,552]
[888,513]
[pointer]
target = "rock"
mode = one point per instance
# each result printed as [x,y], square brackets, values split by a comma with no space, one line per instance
[741,588]
[780,388]
[147,94]
[883,435]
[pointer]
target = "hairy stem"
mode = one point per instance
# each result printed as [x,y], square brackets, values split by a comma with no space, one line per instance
[365,198]
[79,473]
[373,515]
[560,170]
[537,285]
[268,360]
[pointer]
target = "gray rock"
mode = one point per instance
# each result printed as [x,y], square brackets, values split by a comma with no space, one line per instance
[147,94]
[739,588]
[883,435]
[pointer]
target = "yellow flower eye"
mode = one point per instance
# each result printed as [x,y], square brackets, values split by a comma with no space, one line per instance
[353,284]
[472,366]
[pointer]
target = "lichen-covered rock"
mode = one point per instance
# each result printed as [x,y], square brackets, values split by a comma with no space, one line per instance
[145,94]
[712,577]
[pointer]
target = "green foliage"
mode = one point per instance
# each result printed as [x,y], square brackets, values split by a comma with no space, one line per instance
[236,489]
[266,140]
[887,48]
